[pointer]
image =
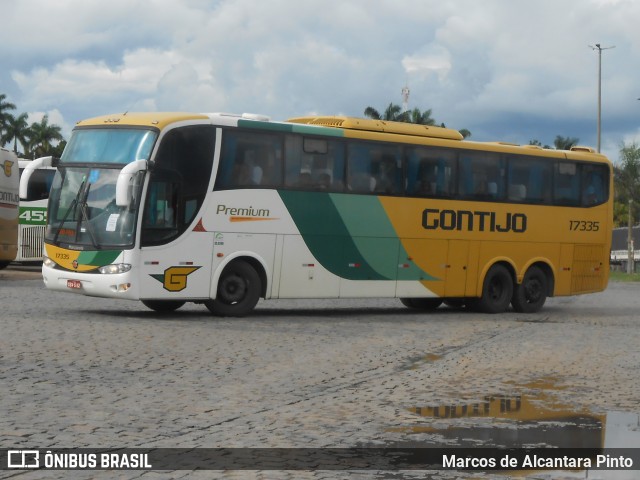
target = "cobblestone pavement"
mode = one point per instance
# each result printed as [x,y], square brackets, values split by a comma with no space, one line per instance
[86,372]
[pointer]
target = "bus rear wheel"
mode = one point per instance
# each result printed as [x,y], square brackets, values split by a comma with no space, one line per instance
[422,303]
[239,290]
[163,306]
[497,290]
[530,295]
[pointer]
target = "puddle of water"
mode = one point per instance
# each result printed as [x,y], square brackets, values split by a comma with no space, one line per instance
[533,418]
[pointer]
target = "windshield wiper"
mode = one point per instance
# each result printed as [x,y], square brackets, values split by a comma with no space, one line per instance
[85,217]
[72,206]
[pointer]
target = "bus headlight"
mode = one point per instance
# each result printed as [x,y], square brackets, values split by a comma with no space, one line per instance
[115,268]
[47,262]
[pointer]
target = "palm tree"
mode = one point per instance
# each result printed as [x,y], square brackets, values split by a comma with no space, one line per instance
[393,113]
[16,129]
[42,134]
[564,143]
[421,118]
[4,106]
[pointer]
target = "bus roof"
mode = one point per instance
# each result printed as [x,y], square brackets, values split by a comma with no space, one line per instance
[146,119]
[353,123]
[161,120]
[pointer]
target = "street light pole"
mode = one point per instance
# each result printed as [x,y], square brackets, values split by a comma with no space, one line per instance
[631,261]
[599,48]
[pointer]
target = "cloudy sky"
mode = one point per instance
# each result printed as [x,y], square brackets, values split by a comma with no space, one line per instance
[504,69]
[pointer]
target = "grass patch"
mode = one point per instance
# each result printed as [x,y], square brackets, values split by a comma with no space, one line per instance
[624,277]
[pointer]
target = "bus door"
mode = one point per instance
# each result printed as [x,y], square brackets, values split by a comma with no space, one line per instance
[176,257]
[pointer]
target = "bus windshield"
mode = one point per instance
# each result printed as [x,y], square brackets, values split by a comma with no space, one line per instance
[109,145]
[84,212]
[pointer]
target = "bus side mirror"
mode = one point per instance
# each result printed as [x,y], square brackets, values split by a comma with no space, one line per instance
[28,171]
[125,182]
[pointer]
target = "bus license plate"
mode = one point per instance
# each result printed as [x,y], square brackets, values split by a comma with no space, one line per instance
[74,284]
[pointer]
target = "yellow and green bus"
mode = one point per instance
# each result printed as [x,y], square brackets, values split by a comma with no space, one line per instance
[223,210]
[9,201]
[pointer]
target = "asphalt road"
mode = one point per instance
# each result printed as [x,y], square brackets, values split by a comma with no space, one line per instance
[87,372]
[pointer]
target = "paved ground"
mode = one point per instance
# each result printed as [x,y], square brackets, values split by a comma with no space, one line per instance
[85,372]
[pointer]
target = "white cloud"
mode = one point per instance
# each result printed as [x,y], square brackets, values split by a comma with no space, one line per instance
[476,64]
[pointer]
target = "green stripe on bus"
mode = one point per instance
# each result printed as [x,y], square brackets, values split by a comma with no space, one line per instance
[98,259]
[291,128]
[350,236]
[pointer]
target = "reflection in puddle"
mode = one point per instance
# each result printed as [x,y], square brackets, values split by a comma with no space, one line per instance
[532,419]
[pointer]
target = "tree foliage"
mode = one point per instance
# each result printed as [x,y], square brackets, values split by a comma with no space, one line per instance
[627,184]
[394,113]
[38,139]
[565,143]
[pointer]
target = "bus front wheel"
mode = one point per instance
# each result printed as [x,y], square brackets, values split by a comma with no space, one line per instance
[163,306]
[497,290]
[239,290]
[530,295]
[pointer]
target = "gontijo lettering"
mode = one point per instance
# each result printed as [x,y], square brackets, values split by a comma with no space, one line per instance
[433,219]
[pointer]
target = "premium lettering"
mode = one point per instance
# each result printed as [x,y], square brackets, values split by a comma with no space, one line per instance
[479,221]
[244,212]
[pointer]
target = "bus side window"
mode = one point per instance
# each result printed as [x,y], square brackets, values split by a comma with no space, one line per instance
[567,184]
[430,172]
[374,168]
[314,163]
[40,184]
[529,180]
[482,176]
[389,174]
[250,159]
[594,190]
[359,169]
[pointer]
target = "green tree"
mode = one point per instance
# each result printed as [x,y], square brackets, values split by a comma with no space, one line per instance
[4,115]
[565,143]
[419,117]
[17,130]
[627,184]
[394,113]
[42,135]
[538,143]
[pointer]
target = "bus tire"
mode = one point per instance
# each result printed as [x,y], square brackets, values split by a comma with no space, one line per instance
[239,290]
[530,295]
[4,265]
[163,306]
[422,303]
[497,290]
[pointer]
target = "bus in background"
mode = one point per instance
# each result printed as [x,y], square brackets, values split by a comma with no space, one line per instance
[9,201]
[224,209]
[33,213]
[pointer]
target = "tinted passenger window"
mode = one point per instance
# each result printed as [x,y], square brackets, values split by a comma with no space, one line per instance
[314,163]
[481,176]
[566,188]
[373,168]
[430,172]
[529,180]
[250,159]
[595,184]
